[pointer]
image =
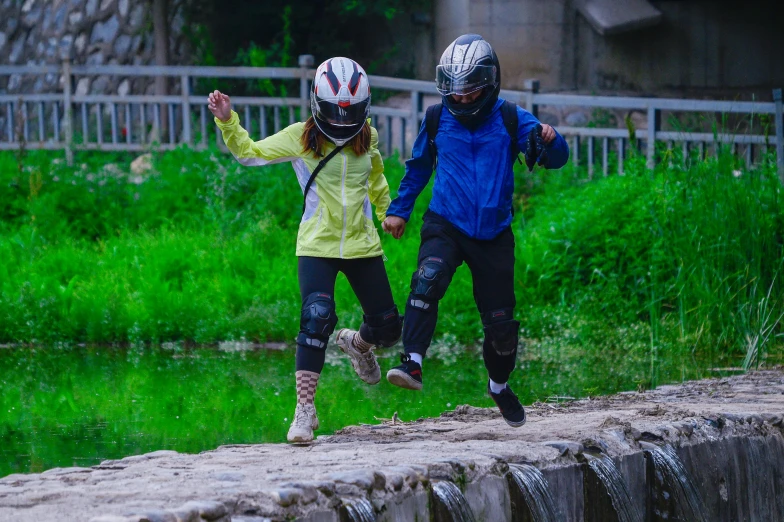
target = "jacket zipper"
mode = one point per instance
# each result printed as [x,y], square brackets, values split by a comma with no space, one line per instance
[343,196]
[476,181]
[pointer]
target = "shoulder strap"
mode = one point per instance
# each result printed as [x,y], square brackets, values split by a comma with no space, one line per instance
[432,119]
[315,172]
[509,113]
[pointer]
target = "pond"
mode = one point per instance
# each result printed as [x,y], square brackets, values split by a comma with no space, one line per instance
[77,406]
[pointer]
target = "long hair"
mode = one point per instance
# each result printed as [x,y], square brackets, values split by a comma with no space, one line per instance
[313,140]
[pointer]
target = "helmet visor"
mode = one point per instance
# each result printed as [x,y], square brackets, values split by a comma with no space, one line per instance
[340,115]
[459,79]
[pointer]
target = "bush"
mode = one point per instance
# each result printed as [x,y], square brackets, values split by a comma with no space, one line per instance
[202,250]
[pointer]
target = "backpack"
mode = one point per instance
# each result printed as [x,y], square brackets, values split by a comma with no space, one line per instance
[508,113]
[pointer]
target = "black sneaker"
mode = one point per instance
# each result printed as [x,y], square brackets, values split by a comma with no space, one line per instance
[509,404]
[408,375]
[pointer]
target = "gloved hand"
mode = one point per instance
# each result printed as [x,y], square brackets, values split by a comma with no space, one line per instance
[535,152]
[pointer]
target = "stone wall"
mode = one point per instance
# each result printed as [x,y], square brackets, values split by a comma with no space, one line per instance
[699,451]
[91,32]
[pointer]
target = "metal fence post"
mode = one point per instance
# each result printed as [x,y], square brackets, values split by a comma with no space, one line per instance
[68,112]
[186,109]
[304,61]
[531,88]
[779,133]
[653,126]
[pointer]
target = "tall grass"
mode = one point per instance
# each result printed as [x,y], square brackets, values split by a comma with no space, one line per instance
[697,248]
[684,261]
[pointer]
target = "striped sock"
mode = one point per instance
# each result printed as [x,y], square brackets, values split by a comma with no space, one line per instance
[360,344]
[306,386]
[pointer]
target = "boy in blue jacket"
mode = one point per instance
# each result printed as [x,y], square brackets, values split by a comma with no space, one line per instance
[470,213]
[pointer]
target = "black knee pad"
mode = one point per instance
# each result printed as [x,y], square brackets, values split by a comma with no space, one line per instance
[383,329]
[317,321]
[501,330]
[429,282]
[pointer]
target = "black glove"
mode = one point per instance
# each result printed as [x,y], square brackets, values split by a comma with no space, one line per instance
[535,152]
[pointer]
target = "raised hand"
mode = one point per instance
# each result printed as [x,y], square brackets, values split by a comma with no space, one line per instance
[219,105]
[394,225]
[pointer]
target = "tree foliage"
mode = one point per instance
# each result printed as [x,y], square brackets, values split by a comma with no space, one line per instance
[223,30]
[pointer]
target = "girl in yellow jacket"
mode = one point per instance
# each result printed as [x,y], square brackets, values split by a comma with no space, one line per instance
[335,156]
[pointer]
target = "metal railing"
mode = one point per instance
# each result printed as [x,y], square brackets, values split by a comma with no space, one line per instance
[136,122]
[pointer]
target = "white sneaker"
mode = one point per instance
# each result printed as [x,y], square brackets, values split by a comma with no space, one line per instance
[364,363]
[305,421]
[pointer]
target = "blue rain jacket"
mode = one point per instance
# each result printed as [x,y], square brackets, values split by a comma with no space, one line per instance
[474,181]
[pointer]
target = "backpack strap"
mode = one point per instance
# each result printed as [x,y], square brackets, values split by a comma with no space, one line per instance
[432,119]
[509,114]
[318,168]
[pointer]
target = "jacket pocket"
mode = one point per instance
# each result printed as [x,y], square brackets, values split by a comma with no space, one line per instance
[371,234]
[312,225]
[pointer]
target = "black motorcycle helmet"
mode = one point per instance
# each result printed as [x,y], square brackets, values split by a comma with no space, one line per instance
[469,64]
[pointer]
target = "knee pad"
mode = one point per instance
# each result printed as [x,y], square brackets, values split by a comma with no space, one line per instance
[429,282]
[383,329]
[317,321]
[501,331]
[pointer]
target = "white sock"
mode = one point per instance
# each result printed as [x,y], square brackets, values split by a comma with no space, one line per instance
[495,387]
[416,357]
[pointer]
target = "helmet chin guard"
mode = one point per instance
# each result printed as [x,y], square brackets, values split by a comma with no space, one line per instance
[340,99]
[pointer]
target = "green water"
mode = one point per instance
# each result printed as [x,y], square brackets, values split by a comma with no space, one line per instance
[78,406]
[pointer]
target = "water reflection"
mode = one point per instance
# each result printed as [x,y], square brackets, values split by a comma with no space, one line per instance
[79,406]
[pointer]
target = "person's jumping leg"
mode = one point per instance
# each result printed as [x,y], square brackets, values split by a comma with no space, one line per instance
[317,321]
[492,268]
[381,324]
[439,257]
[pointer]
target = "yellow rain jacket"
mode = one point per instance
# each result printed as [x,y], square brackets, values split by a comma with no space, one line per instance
[337,222]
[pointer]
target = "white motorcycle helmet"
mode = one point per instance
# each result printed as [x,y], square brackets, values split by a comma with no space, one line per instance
[340,99]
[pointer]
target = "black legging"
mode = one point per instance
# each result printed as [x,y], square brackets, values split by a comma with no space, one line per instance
[368,279]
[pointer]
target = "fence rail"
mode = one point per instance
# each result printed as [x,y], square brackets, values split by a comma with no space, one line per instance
[136,122]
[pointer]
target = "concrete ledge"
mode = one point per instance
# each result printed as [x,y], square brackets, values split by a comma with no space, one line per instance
[727,433]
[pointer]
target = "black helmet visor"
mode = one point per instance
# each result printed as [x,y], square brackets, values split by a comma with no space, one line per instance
[457,78]
[340,116]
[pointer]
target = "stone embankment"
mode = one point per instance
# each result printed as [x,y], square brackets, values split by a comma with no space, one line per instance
[726,432]
[89,32]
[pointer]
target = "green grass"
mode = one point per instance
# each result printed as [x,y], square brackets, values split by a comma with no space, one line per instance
[114,292]
[202,251]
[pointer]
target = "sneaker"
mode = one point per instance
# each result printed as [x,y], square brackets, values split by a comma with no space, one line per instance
[408,375]
[509,404]
[364,363]
[305,421]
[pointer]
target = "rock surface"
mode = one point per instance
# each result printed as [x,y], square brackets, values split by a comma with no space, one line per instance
[391,465]
[89,32]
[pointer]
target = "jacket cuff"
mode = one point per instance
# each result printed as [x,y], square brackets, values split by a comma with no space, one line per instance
[234,119]
[400,215]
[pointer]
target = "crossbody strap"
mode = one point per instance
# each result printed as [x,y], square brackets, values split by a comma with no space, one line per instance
[315,172]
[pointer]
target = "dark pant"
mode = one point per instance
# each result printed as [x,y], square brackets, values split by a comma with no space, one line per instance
[443,249]
[368,279]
